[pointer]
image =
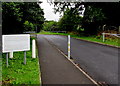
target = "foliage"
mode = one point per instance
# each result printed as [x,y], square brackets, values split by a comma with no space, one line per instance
[70,21]
[110,10]
[11,18]
[93,18]
[28,26]
[50,26]
[34,14]
[62,6]
[15,14]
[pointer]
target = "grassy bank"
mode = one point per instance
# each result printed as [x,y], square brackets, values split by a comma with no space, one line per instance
[18,73]
[115,42]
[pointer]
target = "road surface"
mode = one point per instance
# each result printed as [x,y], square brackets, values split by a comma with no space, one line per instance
[100,62]
[56,69]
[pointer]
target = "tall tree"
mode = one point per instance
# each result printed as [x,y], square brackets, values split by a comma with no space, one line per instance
[96,14]
[11,18]
[50,26]
[110,10]
[70,20]
[34,14]
[16,14]
[93,18]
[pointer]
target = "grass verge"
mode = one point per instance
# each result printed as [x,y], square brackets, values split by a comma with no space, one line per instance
[115,42]
[18,73]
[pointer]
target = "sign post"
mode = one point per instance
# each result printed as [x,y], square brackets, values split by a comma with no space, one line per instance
[11,55]
[68,46]
[7,59]
[24,57]
[14,43]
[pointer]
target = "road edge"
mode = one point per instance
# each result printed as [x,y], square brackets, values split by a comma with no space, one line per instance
[88,41]
[38,62]
[98,43]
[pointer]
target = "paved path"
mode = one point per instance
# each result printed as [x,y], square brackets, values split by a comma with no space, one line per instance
[55,68]
[100,62]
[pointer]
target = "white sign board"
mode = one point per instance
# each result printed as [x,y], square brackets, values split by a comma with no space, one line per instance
[14,43]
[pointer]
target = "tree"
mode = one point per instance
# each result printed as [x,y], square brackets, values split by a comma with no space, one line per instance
[11,19]
[28,26]
[62,6]
[93,18]
[50,26]
[16,14]
[109,9]
[96,14]
[70,20]
[36,14]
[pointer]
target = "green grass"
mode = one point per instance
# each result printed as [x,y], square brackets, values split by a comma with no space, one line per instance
[90,38]
[18,73]
[51,33]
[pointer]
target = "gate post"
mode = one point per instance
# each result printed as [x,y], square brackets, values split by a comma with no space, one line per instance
[103,36]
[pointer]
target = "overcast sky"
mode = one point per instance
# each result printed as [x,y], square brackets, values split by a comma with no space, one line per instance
[48,10]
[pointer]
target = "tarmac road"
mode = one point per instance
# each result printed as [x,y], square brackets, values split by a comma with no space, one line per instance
[100,62]
[56,70]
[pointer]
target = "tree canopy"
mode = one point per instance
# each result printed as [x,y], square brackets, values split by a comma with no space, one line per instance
[96,15]
[17,16]
[69,21]
[50,26]
[93,18]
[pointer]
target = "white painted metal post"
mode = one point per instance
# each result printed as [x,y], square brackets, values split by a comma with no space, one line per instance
[24,57]
[10,54]
[103,37]
[33,49]
[68,46]
[7,59]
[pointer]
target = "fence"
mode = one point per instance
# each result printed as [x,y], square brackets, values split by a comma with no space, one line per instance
[116,35]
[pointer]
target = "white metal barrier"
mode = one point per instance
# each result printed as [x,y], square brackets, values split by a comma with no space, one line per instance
[116,35]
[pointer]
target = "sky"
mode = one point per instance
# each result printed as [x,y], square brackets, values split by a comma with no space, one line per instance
[49,11]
